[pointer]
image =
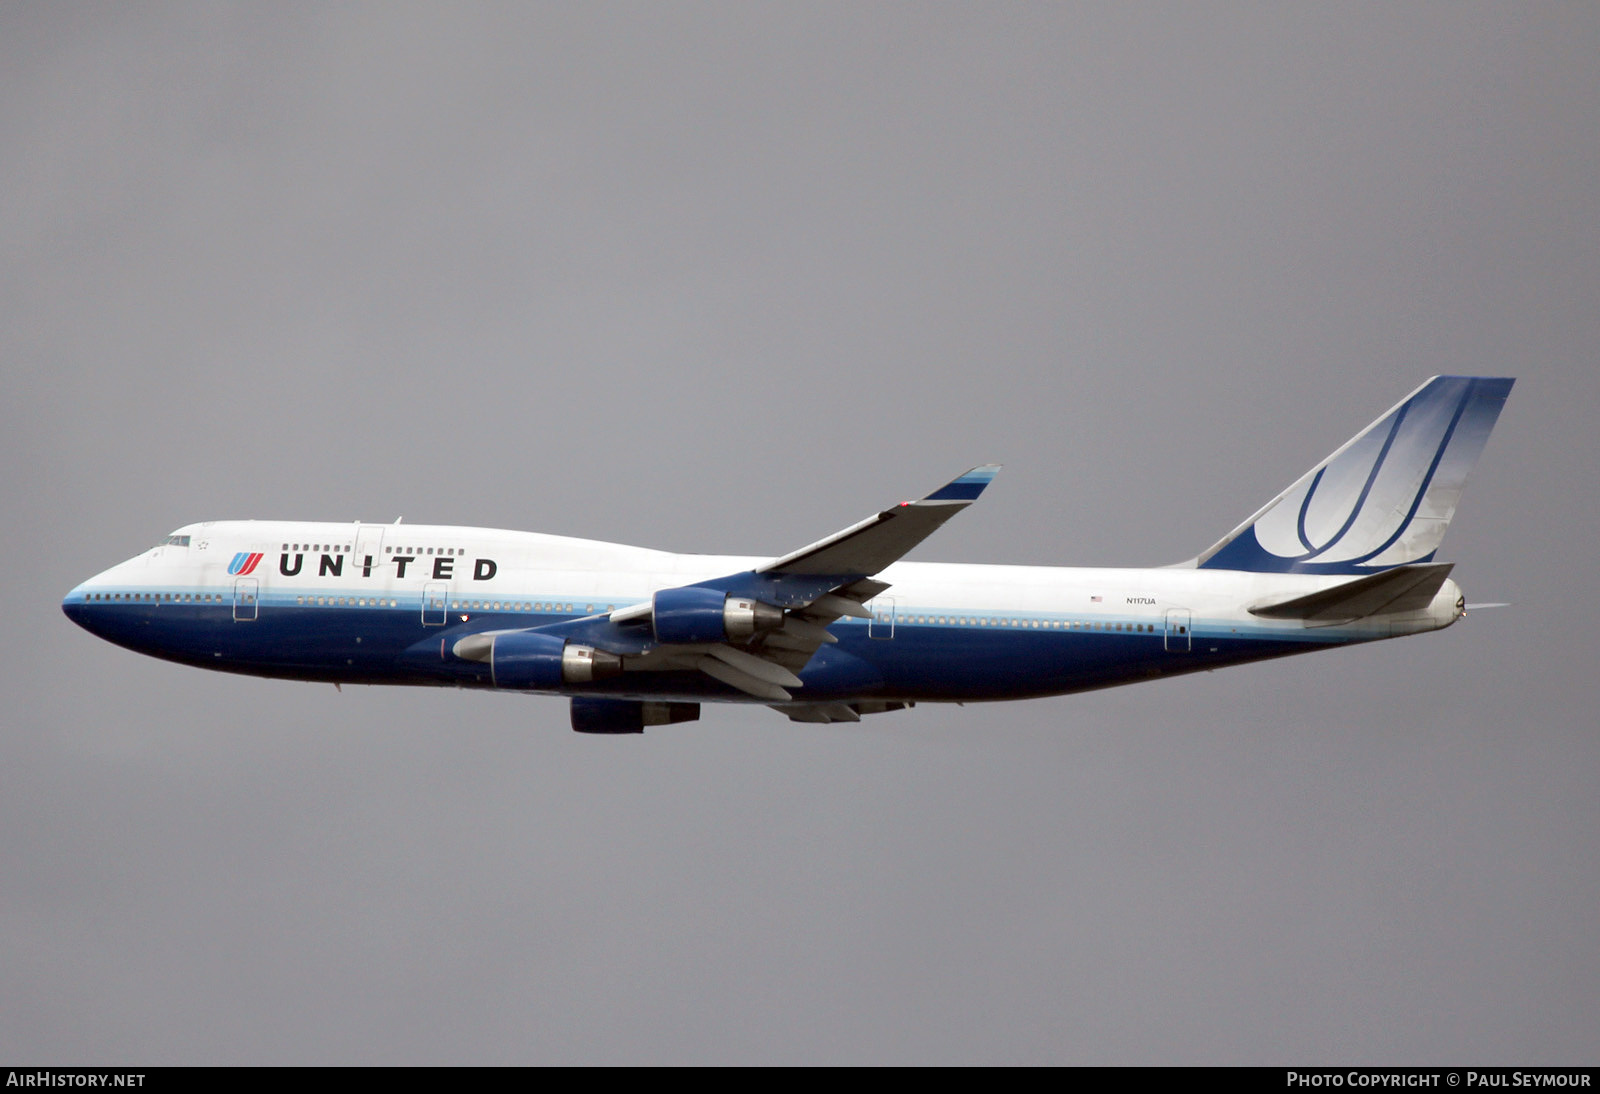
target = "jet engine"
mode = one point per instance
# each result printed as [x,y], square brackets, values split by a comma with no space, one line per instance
[531,660]
[695,615]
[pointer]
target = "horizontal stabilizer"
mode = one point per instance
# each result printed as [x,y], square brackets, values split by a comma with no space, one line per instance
[1403,589]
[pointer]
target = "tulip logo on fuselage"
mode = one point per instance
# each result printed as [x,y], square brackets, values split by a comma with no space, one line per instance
[244,562]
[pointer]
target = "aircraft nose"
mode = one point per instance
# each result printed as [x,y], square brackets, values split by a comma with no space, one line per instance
[87,610]
[75,606]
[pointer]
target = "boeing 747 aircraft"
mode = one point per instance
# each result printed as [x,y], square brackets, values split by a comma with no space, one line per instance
[827,633]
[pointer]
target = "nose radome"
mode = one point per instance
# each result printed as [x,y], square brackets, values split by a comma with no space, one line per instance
[75,606]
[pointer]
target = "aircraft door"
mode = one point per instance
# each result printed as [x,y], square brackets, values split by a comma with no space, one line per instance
[435,600]
[881,625]
[369,549]
[1178,628]
[246,597]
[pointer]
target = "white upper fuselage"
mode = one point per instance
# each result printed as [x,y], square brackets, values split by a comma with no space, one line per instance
[838,628]
[391,566]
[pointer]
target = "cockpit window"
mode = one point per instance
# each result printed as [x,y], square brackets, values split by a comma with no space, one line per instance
[176,541]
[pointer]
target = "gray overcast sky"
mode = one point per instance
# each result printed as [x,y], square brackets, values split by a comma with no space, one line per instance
[725,278]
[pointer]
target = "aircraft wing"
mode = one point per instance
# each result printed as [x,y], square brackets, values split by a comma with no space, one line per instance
[871,545]
[795,597]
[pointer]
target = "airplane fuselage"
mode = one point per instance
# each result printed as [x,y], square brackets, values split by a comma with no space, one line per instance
[837,629]
[387,604]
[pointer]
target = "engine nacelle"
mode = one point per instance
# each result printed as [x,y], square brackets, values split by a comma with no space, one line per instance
[591,715]
[535,661]
[692,615]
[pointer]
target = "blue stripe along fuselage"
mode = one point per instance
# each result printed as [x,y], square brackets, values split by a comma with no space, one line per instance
[1339,557]
[383,645]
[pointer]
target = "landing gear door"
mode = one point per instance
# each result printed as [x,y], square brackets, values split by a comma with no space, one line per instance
[1178,629]
[246,598]
[435,599]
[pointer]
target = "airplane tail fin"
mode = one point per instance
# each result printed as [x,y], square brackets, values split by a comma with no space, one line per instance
[1382,500]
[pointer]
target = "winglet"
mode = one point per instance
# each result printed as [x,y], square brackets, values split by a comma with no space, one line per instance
[863,549]
[966,487]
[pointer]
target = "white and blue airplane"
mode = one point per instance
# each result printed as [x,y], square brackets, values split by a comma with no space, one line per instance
[827,633]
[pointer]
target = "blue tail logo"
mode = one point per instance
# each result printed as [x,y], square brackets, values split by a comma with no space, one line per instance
[1382,500]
